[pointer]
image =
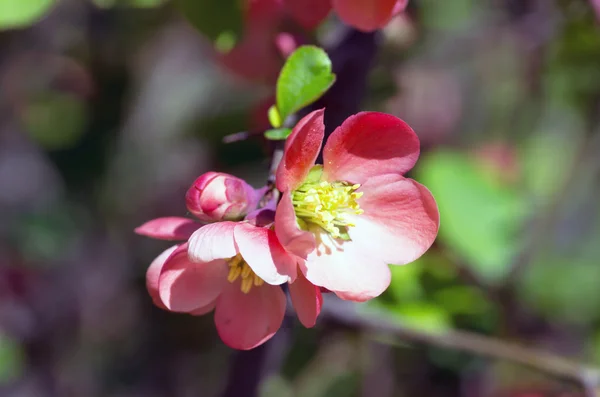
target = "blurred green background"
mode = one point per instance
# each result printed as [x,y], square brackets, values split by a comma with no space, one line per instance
[110,109]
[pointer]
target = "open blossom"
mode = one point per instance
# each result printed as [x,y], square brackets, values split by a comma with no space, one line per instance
[235,268]
[349,218]
[216,196]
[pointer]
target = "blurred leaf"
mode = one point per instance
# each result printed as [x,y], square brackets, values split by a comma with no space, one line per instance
[276,386]
[278,134]
[45,237]
[550,154]
[564,288]
[346,385]
[305,76]
[420,315]
[21,13]
[214,18]
[447,15]
[480,218]
[12,359]
[424,316]
[56,121]
[462,300]
[406,283]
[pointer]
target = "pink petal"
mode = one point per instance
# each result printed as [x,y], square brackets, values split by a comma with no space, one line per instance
[369,144]
[308,13]
[245,321]
[301,150]
[214,241]
[347,268]
[264,254]
[400,221]
[153,274]
[186,286]
[204,309]
[307,300]
[169,228]
[365,15]
[295,240]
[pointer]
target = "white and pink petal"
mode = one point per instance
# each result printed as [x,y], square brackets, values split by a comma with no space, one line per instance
[245,321]
[186,286]
[369,144]
[168,228]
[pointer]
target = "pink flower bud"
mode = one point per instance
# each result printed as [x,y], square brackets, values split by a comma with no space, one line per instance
[216,196]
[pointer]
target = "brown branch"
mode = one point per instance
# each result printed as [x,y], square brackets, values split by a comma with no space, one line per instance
[587,377]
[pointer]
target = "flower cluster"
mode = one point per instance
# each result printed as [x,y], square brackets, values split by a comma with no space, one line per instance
[336,227]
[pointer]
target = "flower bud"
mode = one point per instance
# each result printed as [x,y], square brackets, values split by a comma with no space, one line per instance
[216,196]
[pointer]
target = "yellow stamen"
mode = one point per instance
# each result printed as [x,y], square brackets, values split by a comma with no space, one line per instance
[327,205]
[238,267]
[246,285]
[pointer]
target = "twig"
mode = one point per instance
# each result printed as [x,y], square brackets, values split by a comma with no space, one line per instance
[587,377]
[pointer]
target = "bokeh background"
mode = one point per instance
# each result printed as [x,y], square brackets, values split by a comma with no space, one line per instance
[109,110]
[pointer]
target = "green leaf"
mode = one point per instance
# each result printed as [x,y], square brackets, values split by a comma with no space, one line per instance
[274,117]
[304,78]
[480,218]
[22,13]
[278,134]
[219,20]
[424,316]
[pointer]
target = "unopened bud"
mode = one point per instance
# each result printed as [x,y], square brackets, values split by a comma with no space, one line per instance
[216,196]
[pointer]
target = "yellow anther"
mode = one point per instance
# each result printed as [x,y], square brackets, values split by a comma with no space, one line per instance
[327,205]
[236,260]
[246,271]
[238,267]
[246,285]
[234,273]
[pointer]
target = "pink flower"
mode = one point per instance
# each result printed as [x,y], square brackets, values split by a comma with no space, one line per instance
[235,268]
[368,15]
[365,15]
[351,217]
[308,13]
[216,196]
[256,56]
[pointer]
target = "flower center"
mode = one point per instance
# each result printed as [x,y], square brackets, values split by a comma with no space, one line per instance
[328,205]
[238,267]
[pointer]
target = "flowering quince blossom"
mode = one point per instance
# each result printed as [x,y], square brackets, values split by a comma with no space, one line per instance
[349,218]
[235,268]
[365,15]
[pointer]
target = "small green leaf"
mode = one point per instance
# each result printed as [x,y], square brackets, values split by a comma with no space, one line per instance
[304,78]
[274,117]
[22,13]
[214,18]
[278,134]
